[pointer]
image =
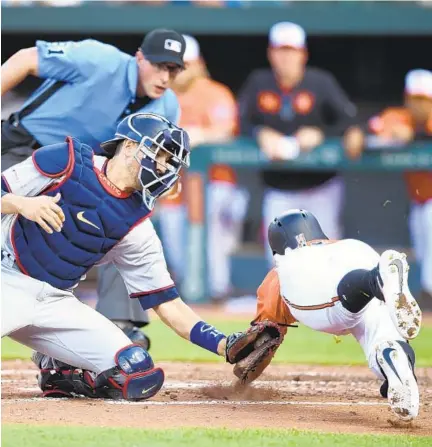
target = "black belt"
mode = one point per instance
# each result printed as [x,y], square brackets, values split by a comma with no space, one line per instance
[14,135]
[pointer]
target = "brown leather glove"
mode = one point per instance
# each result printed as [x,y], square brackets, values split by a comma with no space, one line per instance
[253,350]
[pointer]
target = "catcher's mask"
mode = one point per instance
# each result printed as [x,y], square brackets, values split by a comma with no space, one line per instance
[156,136]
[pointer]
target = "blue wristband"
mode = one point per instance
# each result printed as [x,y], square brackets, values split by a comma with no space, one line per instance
[206,336]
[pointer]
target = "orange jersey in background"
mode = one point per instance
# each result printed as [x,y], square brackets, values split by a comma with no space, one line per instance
[270,305]
[419,183]
[206,104]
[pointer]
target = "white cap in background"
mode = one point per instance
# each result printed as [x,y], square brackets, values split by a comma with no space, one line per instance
[287,34]
[419,83]
[192,51]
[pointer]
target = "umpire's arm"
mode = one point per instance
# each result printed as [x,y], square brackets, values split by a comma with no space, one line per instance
[22,64]
[62,61]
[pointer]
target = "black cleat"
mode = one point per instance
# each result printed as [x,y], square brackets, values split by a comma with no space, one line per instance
[384,389]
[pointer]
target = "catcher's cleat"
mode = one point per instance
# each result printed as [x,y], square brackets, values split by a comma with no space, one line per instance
[403,308]
[57,394]
[402,393]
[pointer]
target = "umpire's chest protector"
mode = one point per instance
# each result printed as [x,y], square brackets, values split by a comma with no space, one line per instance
[97,217]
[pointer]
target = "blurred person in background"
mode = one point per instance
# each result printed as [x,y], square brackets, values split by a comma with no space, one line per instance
[89,87]
[289,109]
[404,124]
[209,114]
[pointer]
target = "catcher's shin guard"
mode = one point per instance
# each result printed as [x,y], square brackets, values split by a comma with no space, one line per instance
[133,378]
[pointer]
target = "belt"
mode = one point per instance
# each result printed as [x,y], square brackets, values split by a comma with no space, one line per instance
[315,306]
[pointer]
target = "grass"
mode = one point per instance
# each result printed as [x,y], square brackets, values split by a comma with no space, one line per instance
[32,436]
[301,345]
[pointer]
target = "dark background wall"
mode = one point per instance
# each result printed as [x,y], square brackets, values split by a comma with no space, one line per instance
[371,69]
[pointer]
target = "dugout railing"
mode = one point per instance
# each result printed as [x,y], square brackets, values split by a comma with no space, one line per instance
[243,153]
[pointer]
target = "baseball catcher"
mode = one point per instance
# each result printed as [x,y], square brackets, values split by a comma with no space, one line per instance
[65,210]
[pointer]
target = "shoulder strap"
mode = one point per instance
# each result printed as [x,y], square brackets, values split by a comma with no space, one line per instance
[38,101]
[56,160]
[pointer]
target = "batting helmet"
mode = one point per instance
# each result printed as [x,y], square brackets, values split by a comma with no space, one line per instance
[292,230]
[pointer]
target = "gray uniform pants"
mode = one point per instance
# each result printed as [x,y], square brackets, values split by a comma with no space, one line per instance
[114,302]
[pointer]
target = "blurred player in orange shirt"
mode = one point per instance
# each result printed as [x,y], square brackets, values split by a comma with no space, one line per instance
[414,120]
[209,114]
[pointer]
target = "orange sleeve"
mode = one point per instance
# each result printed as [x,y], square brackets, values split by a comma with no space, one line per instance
[383,124]
[270,305]
[222,109]
[221,114]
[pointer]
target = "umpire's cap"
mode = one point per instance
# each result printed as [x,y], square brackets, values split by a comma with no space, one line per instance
[164,45]
[293,229]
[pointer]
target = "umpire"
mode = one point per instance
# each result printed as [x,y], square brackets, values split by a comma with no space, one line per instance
[89,87]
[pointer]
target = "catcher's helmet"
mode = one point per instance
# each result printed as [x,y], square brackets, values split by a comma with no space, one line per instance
[292,230]
[153,133]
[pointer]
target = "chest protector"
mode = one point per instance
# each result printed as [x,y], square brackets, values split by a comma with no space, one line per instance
[96,219]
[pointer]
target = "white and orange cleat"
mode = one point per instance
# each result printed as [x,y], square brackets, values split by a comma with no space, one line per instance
[403,308]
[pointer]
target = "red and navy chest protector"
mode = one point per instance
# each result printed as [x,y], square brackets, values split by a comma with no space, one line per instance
[97,217]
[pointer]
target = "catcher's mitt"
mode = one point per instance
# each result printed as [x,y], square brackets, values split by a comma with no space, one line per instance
[253,349]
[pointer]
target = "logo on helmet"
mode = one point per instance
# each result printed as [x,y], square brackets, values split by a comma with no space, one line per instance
[301,240]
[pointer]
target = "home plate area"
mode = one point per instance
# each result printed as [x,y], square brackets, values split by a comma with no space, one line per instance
[332,399]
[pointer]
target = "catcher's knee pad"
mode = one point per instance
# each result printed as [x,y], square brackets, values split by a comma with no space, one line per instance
[133,378]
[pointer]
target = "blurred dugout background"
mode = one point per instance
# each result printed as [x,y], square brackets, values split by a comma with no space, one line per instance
[369,47]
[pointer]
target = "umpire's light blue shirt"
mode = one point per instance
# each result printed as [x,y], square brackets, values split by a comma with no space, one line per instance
[100,82]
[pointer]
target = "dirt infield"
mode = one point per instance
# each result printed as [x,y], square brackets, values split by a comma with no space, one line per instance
[342,399]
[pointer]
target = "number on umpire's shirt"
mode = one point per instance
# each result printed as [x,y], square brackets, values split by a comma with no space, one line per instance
[58,48]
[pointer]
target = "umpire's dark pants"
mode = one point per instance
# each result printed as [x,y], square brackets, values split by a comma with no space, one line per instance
[113,298]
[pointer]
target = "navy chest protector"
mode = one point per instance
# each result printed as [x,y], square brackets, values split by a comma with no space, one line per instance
[96,220]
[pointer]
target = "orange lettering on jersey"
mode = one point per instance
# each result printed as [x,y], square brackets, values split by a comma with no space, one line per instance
[109,186]
[303,102]
[269,102]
